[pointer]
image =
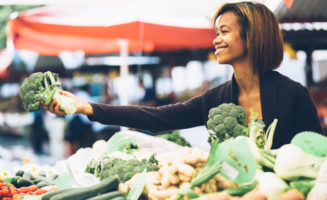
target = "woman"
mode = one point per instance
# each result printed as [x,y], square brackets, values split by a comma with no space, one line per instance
[248,38]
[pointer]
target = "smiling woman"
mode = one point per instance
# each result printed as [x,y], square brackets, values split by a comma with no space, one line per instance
[248,38]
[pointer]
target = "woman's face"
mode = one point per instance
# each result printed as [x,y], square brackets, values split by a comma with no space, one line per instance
[230,47]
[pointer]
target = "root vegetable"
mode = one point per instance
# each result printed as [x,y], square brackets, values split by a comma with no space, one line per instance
[215,196]
[292,195]
[224,183]
[185,169]
[184,178]
[254,195]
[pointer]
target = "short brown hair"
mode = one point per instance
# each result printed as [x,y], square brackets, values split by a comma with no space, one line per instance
[260,30]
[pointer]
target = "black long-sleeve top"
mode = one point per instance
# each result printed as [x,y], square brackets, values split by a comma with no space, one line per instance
[281,98]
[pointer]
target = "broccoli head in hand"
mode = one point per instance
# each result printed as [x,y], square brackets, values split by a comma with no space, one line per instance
[43,87]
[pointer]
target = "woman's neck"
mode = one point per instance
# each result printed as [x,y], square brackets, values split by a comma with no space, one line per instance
[248,81]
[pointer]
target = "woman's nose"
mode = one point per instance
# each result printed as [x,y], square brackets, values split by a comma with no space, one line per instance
[217,40]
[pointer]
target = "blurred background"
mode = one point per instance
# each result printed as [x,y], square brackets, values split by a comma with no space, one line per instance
[140,52]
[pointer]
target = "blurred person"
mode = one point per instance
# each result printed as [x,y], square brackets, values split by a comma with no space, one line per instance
[108,93]
[249,39]
[39,134]
[148,95]
[78,132]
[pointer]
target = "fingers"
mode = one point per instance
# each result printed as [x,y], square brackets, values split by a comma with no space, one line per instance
[44,106]
[54,108]
[65,93]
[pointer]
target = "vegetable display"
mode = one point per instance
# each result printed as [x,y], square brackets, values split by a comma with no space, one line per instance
[240,166]
[43,87]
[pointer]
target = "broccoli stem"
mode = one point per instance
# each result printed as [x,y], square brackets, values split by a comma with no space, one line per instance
[50,93]
[51,77]
[68,105]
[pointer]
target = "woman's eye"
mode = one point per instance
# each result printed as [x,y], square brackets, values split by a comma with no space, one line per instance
[223,32]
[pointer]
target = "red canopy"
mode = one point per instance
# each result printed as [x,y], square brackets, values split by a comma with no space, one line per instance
[95,29]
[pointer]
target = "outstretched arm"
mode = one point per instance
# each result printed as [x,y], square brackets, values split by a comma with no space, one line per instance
[82,107]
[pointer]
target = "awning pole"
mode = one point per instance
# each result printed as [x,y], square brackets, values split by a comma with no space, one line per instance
[124,69]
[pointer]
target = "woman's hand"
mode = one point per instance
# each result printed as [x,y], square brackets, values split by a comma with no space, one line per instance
[82,107]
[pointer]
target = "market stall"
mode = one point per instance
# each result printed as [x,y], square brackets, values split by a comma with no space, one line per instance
[133,165]
[136,166]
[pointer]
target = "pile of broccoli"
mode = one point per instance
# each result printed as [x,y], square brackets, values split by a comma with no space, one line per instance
[226,121]
[125,169]
[43,87]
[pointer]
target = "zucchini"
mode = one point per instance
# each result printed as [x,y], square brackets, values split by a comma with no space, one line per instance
[107,196]
[48,195]
[104,186]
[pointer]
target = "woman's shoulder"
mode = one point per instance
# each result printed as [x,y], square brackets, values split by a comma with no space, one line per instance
[286,82]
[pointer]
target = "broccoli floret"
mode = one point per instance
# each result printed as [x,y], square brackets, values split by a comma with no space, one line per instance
[230,122]
[240,130]
[226,121]
[221,129]
[43,87]
[125,169]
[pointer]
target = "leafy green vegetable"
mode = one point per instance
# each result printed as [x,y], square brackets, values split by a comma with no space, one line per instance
[264,158]
[303,185]
[137,189]
[176,138]
[226,121]
[109,166]
[239,163]
[43,87]
[242,188]
[312,143]
[119,143]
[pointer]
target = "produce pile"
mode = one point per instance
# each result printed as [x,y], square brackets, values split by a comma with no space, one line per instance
[240,165]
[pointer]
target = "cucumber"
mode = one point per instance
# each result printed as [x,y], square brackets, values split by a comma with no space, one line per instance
[48,195]
[106,196]
[15,179]
[22,182]
[104,186]
[19,173]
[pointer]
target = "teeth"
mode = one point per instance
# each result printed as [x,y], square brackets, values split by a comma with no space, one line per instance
[219,49]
